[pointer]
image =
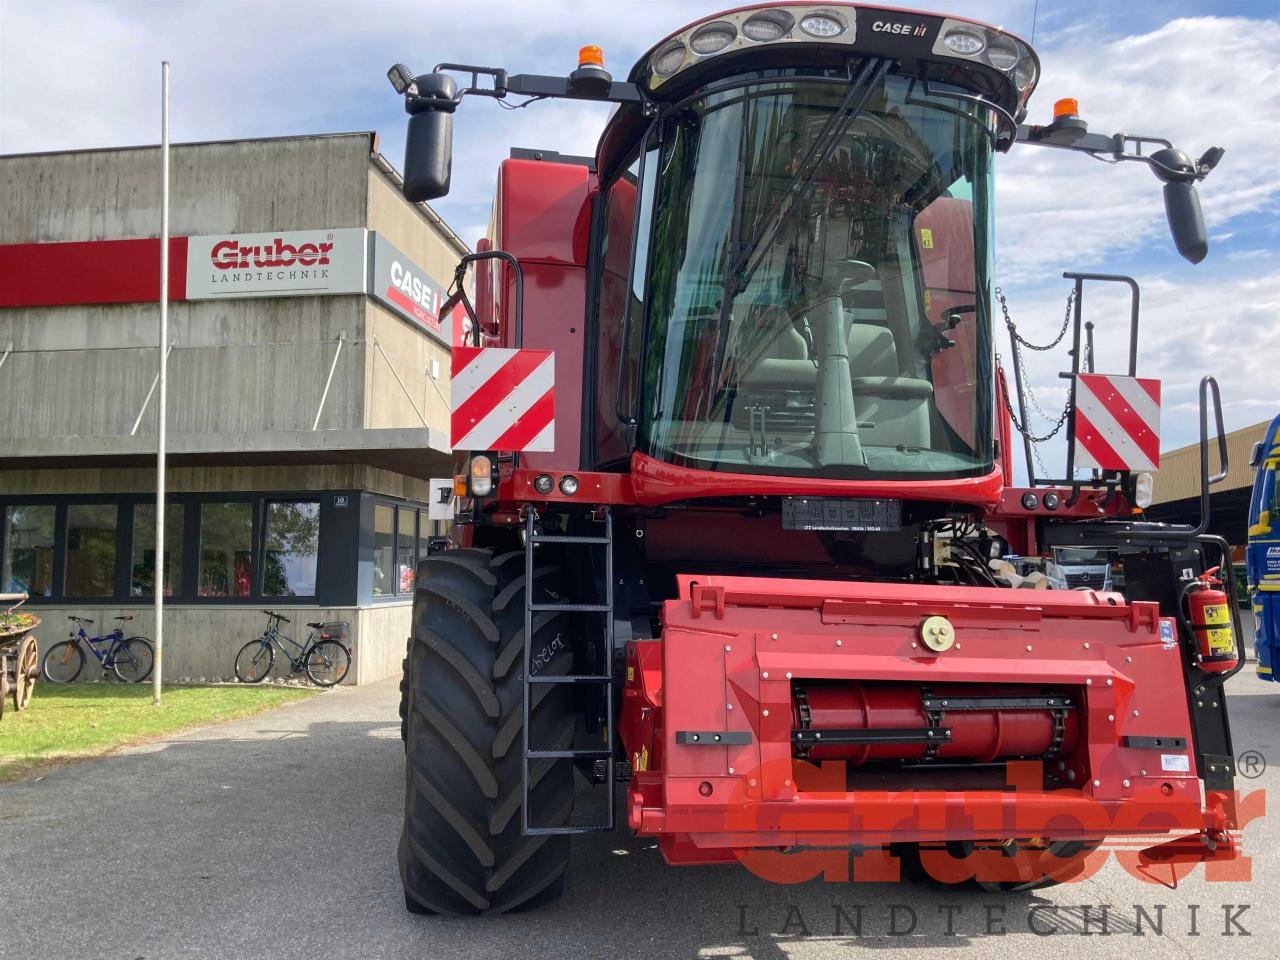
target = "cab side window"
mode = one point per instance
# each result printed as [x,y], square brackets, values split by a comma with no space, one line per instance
[613,300]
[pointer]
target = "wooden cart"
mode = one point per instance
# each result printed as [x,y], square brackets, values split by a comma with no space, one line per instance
[19,659]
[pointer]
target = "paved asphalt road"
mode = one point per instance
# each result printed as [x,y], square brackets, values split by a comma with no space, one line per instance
[275,837]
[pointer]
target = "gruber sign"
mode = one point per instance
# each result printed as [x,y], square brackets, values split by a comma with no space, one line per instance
[278,264]
[404,287]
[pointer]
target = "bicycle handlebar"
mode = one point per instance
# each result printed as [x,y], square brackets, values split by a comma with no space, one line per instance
[279,616]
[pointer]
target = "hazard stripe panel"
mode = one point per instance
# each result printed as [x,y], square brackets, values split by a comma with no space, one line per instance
[1117,422]
[503,400]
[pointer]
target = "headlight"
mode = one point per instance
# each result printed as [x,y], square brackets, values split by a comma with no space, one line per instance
[480,475]
[1002,54]
[713,38]
[1029,501]
[964,43]
[543,483]
[1052,501]
[1144,490]
[668,61]
[568,485]
[769,25]
[1024,75]
[821,25]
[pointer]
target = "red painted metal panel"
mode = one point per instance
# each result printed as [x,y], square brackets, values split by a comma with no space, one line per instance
[732,648]
[655,482]
[98,271]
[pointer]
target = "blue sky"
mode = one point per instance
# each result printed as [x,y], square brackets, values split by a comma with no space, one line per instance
[1199,73]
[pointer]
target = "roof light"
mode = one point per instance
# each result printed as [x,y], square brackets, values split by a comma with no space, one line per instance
[1002,54]
[668,60]
[1024,74]
[713,38]
[821,25]
[590,56]
[964,43]
[768,25]
[1066,107]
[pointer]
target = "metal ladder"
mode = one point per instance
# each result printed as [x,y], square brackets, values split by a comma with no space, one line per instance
[604,677]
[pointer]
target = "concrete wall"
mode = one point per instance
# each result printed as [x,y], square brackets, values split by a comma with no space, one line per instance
[237,365]
[201,642]
[240,186]
[384,633]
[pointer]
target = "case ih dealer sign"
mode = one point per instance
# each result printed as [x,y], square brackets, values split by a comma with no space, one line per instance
[277,264]
[399,283]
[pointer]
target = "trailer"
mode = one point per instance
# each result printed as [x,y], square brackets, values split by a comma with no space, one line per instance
[733,458]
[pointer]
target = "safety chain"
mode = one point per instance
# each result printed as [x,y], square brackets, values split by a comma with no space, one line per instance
[1008,322]
[1061,419]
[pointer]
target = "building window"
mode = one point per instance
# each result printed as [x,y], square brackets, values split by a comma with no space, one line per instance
[291,549]
[143,560]
[407,531]
[91,550]
[384,547]
[226,549]
[28,555]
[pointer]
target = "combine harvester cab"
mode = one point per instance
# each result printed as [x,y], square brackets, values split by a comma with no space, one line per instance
[734,478]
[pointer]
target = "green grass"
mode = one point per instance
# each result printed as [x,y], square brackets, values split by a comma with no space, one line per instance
[87,720]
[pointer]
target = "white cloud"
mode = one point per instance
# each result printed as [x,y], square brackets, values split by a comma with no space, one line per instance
[1197,82]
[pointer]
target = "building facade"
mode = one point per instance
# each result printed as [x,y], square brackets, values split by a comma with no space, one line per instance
[307,392]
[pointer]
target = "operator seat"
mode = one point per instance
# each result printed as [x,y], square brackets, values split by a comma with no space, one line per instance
[892,410]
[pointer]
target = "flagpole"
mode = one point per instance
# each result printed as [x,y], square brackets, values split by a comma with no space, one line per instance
[162,404]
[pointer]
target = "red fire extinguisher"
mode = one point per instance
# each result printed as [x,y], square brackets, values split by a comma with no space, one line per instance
[1209,616]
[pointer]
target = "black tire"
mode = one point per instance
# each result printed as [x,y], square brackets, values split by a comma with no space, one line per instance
[61,665]
[462,851]
[249,661]
[140,658]
[328,663]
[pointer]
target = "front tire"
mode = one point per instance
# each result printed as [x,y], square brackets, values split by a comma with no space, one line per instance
[63,662]
[255,660]
[462,851]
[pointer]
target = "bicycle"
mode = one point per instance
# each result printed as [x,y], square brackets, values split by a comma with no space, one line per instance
[323,657]
[129,658]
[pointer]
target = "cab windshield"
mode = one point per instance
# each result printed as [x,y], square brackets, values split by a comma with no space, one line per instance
[817,301]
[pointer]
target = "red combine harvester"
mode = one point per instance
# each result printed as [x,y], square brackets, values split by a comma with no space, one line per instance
[734,472]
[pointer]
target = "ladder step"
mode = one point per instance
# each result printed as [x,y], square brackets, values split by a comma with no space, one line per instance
[573,678]
[569,754]
[570,607]
[555,538]
[568,831]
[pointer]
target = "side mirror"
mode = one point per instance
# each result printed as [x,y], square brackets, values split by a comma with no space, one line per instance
[428,148]
[1186,222]
[1181,202]
[1255,457]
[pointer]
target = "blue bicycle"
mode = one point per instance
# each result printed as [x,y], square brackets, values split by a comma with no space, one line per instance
[129,658]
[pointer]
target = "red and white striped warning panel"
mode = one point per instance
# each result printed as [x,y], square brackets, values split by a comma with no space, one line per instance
[503,400]
[1117,422]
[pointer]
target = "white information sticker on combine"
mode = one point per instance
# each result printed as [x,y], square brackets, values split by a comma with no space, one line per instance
[1175,763]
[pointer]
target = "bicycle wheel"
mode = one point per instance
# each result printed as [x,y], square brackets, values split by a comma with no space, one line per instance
[254,661]
[133,659]
[327,663]
[63,662]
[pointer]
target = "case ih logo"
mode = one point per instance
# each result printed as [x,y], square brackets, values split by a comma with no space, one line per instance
[231,255]
[900,29]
